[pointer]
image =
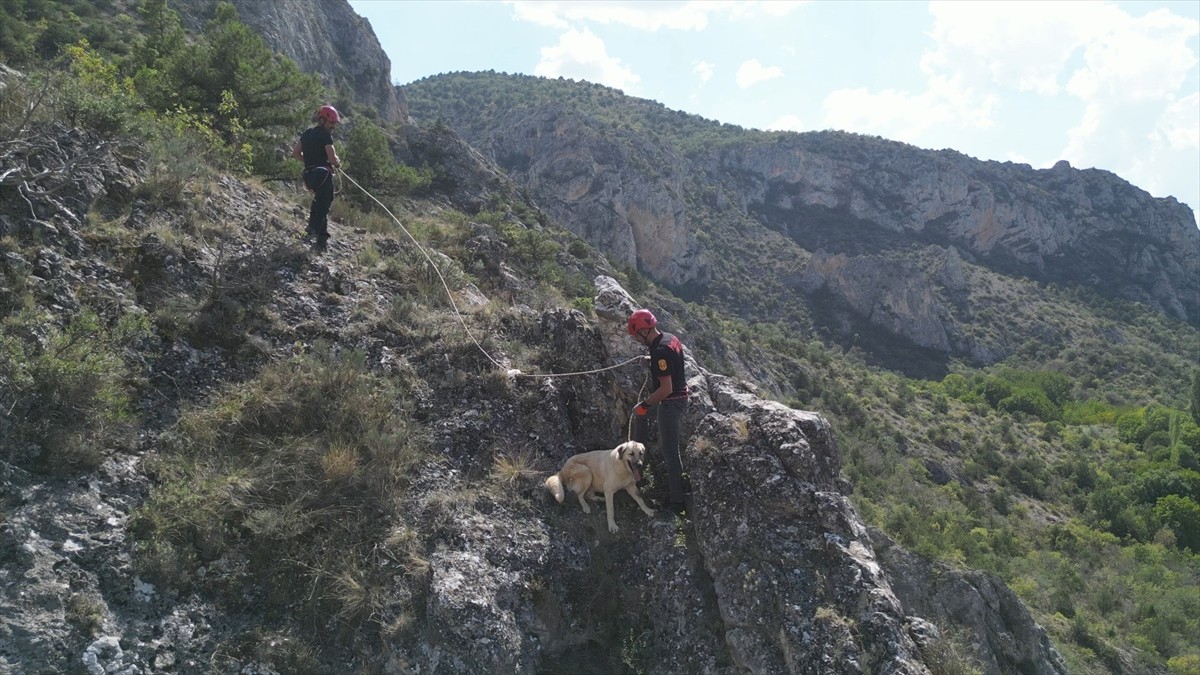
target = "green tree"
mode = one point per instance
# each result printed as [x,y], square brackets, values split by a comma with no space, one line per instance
[1131,427]
[1032,401]
[162,36]
[369,157]
[270,95]
[1182,515]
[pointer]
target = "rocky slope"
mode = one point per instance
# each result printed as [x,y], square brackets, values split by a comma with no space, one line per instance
[772,572]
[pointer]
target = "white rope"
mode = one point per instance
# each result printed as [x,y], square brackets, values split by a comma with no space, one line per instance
[511,371]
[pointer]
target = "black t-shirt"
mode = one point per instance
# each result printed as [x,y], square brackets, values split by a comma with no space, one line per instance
[666,358]
[312,144]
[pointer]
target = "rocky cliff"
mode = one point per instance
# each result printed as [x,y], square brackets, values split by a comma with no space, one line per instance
[468,566]
[698,206]
[326,38]
[1060,225]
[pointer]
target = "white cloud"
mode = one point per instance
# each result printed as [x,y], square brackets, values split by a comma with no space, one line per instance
[752,72]
[893,114]
[1179,124]
[787,123]
[644,15]
[703,70]
[1129,73]
[1009,45]
[583,56]
[1138,120]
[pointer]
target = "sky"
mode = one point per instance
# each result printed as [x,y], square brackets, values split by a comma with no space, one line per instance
[1103,84]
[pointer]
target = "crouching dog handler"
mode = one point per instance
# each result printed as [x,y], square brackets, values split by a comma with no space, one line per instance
[669,398]
[315,149]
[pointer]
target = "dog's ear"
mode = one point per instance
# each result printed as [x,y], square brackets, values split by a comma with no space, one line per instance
[622,449]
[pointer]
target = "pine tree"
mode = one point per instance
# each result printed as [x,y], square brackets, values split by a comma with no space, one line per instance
[266,92]
[163,36]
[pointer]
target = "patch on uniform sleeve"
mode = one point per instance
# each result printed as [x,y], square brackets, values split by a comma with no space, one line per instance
[662,364]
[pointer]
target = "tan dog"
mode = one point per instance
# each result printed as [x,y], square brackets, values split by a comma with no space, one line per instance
[590,473]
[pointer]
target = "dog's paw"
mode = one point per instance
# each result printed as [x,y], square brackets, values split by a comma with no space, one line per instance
[612,527]
[586,508]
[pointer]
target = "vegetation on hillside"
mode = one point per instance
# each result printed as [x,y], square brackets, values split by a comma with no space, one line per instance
[1072,470]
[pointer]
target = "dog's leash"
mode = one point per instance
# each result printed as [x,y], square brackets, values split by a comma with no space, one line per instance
[634,410]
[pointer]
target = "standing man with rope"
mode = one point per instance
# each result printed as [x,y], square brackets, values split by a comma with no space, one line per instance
[670,396]
[315,149]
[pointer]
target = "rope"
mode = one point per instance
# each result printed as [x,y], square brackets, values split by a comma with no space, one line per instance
[633,413]
[512,372]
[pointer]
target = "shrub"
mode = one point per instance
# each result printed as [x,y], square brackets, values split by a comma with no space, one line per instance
[1182,515]
[93,96]
[1187,664]
[70,395]
[1031,401]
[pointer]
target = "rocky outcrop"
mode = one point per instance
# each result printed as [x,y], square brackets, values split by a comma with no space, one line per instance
[895,296]
[792,567]
[1005,638]
[619,192]
[326,38]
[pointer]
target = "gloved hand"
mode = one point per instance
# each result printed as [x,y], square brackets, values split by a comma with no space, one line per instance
[641,408]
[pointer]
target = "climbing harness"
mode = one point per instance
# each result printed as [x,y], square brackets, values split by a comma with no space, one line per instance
[311,171]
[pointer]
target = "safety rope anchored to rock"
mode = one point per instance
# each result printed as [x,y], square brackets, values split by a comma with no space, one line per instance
[511,372]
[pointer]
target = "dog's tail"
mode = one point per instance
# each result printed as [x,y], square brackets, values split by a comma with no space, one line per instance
[555,486]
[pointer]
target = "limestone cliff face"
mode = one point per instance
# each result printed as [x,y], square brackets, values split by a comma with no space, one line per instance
[326,38]
[1060,225]
[621,193]
[699,206]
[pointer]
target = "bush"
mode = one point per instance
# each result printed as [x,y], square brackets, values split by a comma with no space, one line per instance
[1031,401]
[92,96]
[70,396]
[1182,515]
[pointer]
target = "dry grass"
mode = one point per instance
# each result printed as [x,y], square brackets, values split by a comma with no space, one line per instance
[339,463]
[310,459]
[517,468]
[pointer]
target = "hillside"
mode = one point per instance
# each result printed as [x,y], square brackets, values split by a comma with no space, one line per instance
[228,452]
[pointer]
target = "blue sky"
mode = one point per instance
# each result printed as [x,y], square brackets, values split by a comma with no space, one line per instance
[1111,85]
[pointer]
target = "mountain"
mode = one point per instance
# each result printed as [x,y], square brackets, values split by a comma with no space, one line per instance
[226,451]
[700,206]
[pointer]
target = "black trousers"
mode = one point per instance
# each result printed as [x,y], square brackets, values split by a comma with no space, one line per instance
[320,180]
[670,413]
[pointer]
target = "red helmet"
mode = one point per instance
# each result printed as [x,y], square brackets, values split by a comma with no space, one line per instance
[328,112]
[640,320]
